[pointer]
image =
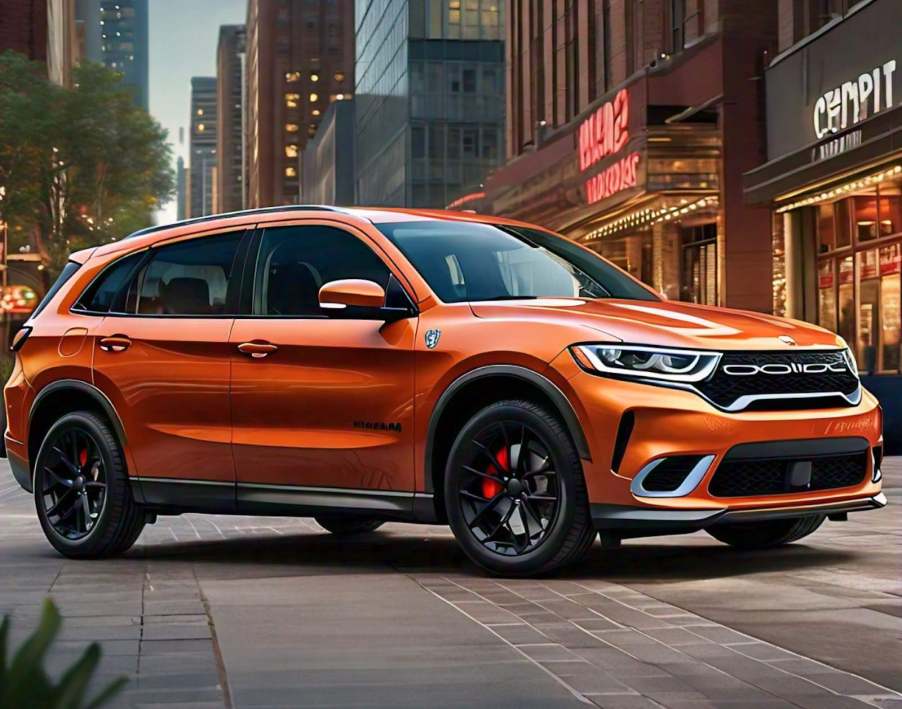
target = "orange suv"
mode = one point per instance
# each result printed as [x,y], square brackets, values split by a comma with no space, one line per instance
[359,366]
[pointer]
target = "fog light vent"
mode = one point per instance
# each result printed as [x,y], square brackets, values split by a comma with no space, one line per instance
[878,460]
[673,476]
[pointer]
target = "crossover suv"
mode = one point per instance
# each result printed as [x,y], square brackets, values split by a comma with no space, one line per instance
[358,366]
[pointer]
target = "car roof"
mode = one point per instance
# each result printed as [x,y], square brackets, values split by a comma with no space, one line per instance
[144,238]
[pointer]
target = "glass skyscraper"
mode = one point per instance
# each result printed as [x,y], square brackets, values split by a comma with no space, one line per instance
[430,99]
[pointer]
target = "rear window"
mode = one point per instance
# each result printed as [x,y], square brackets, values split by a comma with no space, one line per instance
[104,295]
[68,271]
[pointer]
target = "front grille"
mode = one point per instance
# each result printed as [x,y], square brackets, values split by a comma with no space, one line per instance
[745,478]
[725,389]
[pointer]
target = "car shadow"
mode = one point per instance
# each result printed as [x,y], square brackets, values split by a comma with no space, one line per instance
[406,551]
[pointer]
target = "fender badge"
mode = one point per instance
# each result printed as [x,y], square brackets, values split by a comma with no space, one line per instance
[432,338]
[787,340]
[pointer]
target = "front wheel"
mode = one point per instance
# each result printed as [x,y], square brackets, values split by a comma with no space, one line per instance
[514,491]
[764,535]
[81,490]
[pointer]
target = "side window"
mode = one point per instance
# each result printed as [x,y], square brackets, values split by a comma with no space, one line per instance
[196,277]
[104,294]
[295,262]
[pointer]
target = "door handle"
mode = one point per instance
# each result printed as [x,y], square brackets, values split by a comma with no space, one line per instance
[115,343]
[257,350]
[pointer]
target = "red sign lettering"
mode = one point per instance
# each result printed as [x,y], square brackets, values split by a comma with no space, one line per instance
[619,176]
[605,132]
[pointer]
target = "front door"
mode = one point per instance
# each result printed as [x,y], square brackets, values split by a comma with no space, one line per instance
[322,399]
[162,356]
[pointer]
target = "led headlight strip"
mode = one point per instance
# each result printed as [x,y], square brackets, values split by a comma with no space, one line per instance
[662,364]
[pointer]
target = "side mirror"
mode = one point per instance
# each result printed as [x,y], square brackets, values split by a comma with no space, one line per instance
[353,292]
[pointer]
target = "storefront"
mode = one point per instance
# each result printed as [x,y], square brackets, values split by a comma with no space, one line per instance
[834,183]
[639,178]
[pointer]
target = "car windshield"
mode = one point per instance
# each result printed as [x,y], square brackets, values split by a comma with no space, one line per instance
[469,261]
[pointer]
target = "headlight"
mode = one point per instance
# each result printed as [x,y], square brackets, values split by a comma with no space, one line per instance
[649,362]
[850,361]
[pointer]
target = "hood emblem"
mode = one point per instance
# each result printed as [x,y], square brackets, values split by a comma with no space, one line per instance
[432,338]
[787,340]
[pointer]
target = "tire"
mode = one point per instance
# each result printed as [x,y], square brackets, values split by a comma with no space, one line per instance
[348,525]
[765,535]
[95,471]
[489,483]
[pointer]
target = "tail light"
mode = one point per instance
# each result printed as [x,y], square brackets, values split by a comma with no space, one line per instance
[20,337]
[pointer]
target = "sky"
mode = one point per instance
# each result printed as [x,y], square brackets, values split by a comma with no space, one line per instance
[183,38]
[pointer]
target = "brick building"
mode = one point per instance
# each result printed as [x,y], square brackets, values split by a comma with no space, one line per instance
[300,58]
[629,126]
[23,27]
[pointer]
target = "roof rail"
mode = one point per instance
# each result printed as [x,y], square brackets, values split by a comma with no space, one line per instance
[240,213]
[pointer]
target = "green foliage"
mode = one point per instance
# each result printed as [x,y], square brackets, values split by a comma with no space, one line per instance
[24,683]
[81,166]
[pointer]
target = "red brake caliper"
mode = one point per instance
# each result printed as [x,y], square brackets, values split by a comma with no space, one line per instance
[83,457]
[490,488]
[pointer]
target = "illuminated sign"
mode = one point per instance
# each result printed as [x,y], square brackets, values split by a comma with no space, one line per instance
[602,134]
[853,101]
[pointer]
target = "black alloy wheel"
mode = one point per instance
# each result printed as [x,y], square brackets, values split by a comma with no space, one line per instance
[515,493]
[510,493]
[81,489]
[74,490]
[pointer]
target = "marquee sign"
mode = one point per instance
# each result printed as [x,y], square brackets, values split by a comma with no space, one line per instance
[603,134]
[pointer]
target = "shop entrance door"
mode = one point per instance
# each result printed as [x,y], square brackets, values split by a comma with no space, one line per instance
[698,272]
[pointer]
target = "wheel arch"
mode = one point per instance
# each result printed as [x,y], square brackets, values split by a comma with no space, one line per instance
[479,388]
[62,397]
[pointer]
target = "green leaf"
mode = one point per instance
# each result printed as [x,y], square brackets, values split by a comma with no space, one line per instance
[28,664]
[71,688]
[107,694]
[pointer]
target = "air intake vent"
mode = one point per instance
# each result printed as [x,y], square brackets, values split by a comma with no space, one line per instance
[673,476]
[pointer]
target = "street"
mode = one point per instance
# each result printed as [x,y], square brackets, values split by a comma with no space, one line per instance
[252,612]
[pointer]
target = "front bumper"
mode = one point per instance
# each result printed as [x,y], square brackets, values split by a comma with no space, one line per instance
[670,422]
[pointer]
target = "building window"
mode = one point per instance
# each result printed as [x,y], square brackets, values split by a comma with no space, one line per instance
[314,78]
[291,151]
[291,127]
[292,100]
[339,76]
[314,98]
[699,267]
[677,25]
[291,171]
[292,77]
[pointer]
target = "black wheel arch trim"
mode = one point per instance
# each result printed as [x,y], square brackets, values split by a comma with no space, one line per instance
[550,389]
[82,387]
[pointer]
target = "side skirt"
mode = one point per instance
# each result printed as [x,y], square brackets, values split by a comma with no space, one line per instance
[174,496]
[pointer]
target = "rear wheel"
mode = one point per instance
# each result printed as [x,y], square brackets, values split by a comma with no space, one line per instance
[81,490]
[764,535]
[347,525]
[514,491]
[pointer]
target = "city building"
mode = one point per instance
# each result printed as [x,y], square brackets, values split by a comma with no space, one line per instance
[230,117]
[327,161]
[629,126]
[430,99]
[300,59]
[181,189]
[115,33]
[23,28]
[202,147]
[833,179]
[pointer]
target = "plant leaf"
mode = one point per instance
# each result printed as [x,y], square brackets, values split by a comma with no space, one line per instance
[27,667]
[71,688]
[107,694]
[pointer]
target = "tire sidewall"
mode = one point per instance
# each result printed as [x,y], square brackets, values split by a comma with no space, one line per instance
[115,481]
[566,464]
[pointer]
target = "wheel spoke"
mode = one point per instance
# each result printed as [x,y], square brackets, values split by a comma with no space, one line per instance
[501,524]
[541,498]
[491,456]
[474,471]
[64,459]
[490,505]
[96,484]
[64,498]
[65,482]
[471,496]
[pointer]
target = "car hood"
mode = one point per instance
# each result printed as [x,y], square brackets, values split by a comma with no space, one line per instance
[665,323]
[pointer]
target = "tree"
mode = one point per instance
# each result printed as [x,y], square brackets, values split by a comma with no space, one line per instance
[81,166]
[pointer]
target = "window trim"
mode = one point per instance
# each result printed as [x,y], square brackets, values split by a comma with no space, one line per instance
[249,275]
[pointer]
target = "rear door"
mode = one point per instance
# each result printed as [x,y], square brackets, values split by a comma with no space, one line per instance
[162,356]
